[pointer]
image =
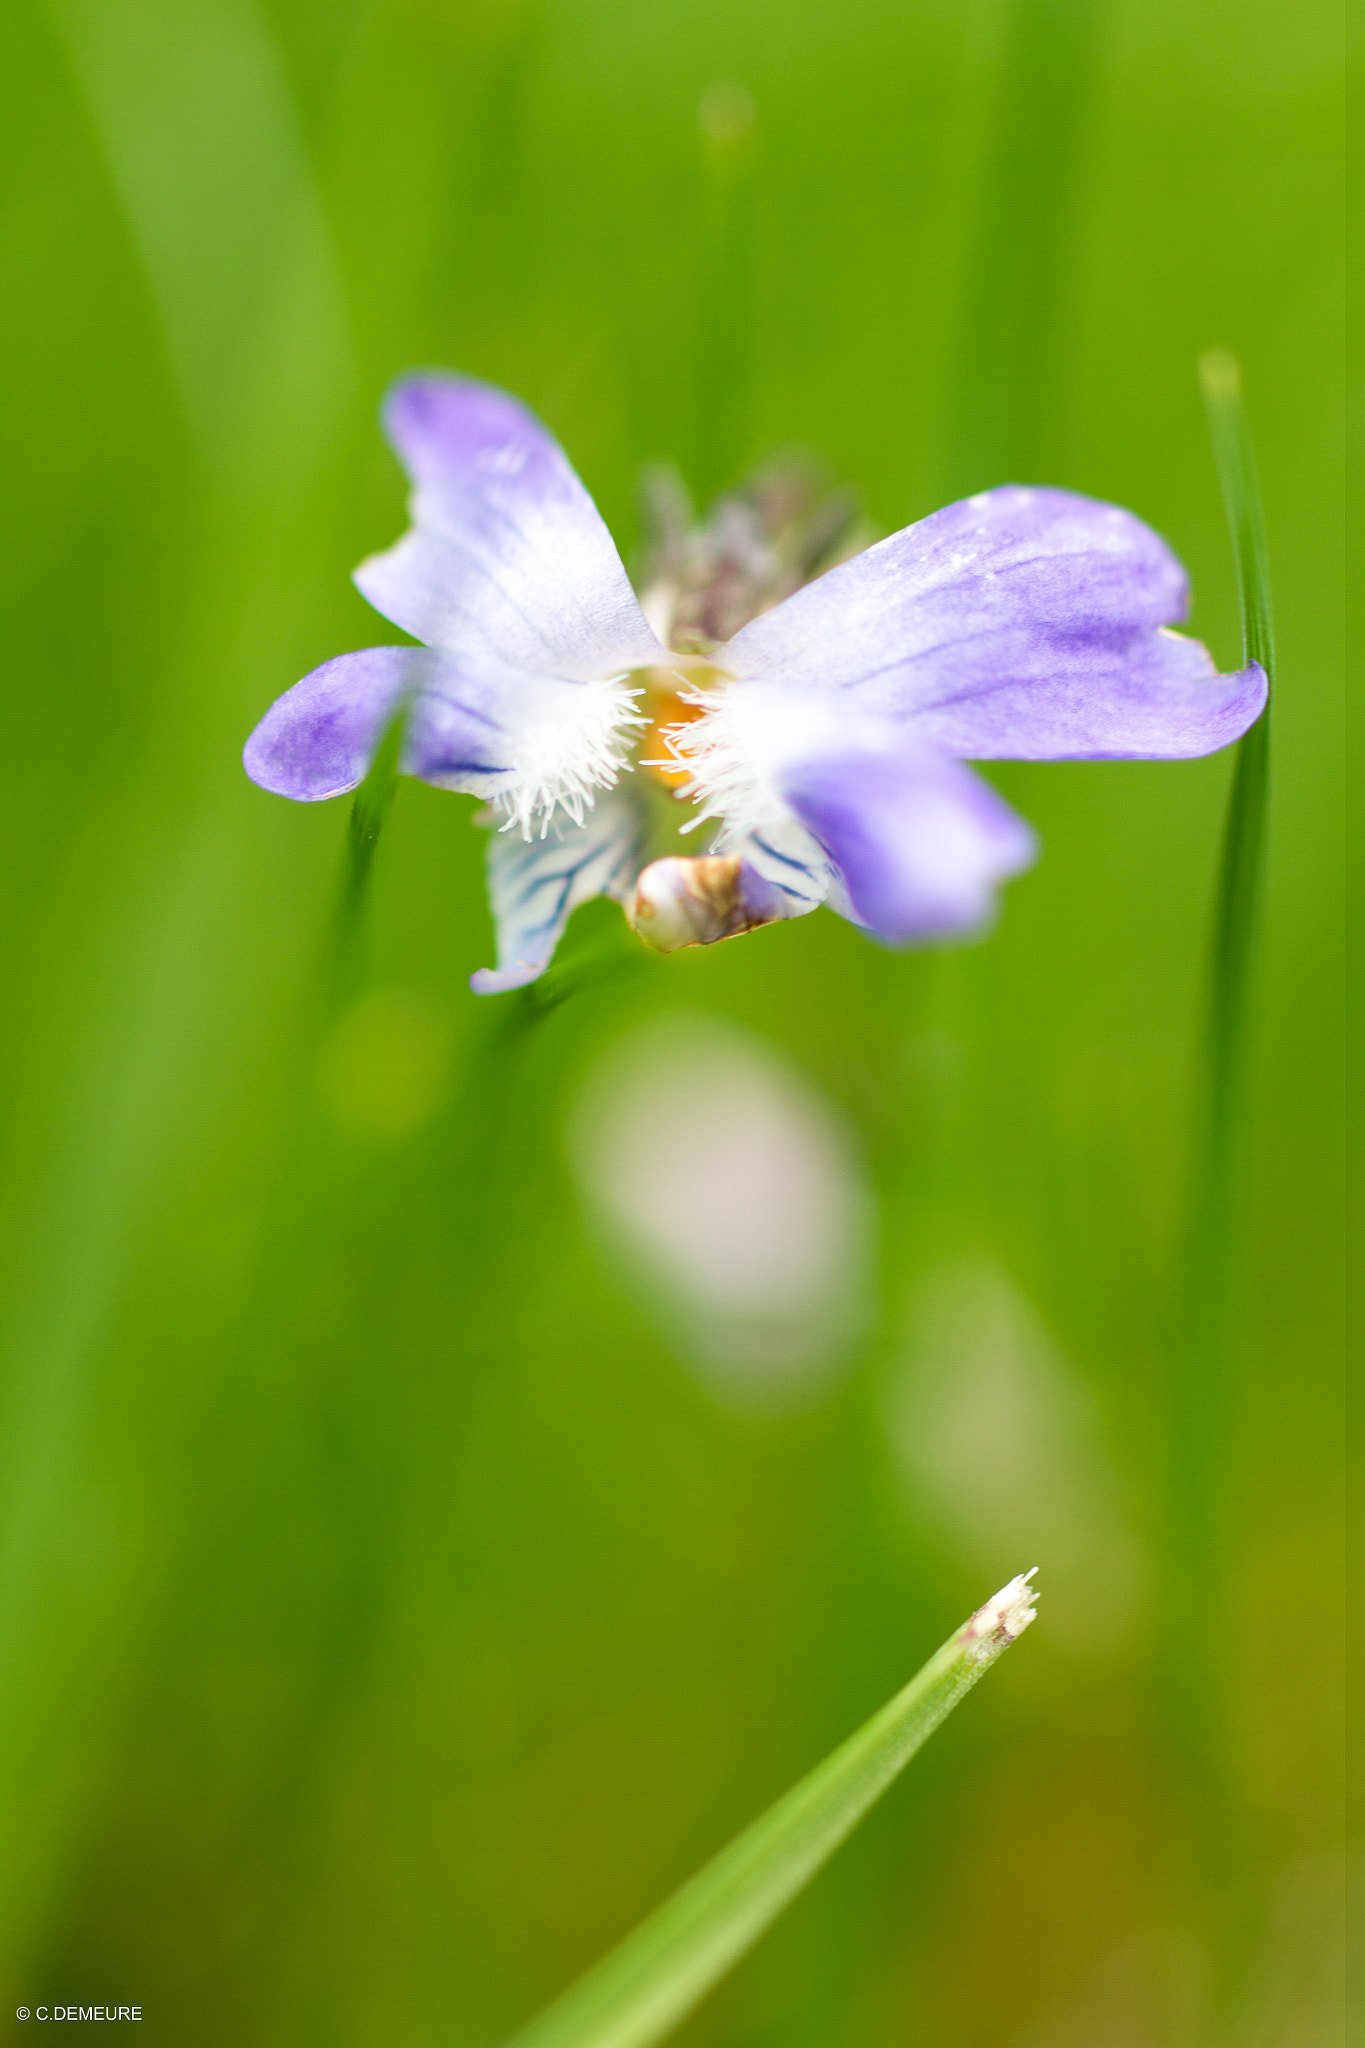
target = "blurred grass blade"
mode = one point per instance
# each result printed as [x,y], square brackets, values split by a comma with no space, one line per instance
[724,396]
[207,152]
[369,814]
[1008,412]
[648,1985]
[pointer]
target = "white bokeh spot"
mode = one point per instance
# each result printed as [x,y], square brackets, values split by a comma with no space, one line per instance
[729,1192]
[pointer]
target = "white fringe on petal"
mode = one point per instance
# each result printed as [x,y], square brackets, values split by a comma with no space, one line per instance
[577,743]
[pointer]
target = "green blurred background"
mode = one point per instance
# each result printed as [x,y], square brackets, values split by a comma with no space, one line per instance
[392,1609]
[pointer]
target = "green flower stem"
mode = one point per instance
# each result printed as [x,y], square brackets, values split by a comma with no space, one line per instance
[648,1985]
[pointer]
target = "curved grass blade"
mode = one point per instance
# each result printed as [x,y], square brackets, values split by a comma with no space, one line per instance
[1203,1358]
[647,1986]
[1214,1204]
[1220,376]
[1239,879]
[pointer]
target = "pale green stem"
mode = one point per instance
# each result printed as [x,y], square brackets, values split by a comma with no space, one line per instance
[641,1991]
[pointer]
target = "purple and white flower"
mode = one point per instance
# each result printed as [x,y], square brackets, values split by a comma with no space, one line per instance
[824,740]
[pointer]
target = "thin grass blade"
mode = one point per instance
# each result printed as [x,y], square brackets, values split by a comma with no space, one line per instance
[1203,1359]
[641,1991]
[1237,901]
[1220,376]
[1239,880]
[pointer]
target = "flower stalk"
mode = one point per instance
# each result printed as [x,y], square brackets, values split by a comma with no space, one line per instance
[648,1985]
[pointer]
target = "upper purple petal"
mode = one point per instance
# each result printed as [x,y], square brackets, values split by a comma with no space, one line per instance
[508,558]
[1022,623]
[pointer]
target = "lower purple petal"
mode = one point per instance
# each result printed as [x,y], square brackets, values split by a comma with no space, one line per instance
[919,840]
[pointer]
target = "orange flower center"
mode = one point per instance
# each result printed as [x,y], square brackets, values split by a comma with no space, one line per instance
[666,708]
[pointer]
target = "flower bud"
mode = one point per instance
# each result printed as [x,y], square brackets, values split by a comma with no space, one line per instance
[693,902]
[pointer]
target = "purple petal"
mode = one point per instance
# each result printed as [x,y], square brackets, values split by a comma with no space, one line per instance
[1161,699]
[508,558]
[471,731]
[919,841]
[319,738]
[1021,623]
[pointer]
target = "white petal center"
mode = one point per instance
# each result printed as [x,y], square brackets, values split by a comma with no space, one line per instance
[576,743]
[726,753]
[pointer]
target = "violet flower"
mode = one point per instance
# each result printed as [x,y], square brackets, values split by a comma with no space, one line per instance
[824,740]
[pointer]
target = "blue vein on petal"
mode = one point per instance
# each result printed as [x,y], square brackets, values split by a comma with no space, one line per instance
[501,514]
[480,559]
[567,876]
[534,848]
[903,663]
[456,704]
[461,549]
[802,867]
[785,858]
[437,767]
